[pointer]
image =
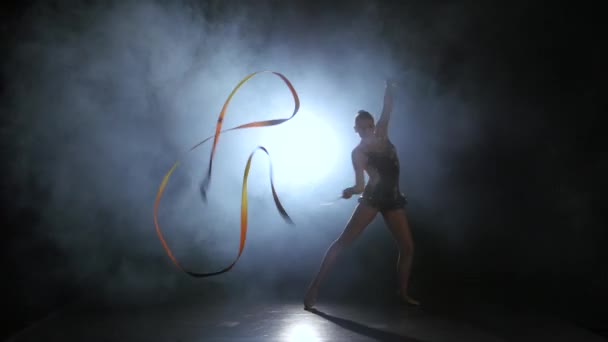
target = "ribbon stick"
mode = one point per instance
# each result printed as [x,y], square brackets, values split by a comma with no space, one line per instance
[331,202]
[206,182]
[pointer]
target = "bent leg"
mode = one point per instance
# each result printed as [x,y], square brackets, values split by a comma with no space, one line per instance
[397,223]
[359,220]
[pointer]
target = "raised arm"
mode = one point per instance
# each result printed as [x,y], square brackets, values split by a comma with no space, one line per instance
[387,109]
[359,159]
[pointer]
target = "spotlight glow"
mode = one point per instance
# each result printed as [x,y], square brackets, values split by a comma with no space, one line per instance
[307,147]
[301,333]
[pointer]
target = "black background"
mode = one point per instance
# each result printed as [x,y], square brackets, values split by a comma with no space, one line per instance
[536,70]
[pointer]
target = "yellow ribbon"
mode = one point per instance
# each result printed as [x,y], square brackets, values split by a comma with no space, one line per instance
[205,184]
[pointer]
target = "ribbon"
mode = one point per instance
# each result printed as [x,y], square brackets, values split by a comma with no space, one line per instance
[207,181]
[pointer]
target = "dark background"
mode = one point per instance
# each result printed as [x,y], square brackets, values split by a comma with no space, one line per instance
[514,210]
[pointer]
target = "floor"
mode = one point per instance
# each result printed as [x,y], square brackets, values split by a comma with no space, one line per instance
[203,320]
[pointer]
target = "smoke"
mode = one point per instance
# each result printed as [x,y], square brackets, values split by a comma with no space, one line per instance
[107,96]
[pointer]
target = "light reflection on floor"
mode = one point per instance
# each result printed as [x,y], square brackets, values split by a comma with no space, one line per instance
[301,332]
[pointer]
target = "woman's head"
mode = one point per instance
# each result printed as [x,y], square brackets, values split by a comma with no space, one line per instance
[364,124]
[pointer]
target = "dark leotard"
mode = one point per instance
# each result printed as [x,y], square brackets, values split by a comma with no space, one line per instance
[385,194]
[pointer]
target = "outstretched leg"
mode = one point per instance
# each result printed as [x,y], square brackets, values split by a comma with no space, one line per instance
[361,218]
[397,222]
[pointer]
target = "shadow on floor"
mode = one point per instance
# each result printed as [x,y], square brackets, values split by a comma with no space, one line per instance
[364,330]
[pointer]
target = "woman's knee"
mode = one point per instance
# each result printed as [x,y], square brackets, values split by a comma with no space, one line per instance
[342,242]
[406,249]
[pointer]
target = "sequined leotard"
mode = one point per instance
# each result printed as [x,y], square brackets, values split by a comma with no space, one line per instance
[384,194]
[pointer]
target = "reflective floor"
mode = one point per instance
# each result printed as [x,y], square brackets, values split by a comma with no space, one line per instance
[289,322]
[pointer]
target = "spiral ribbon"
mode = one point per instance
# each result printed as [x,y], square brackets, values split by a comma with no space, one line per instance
[207,181]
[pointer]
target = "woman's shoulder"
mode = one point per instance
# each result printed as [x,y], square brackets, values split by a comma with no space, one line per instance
[379,145]
[358,149]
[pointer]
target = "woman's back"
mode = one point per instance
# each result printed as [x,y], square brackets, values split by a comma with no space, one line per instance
[383,169]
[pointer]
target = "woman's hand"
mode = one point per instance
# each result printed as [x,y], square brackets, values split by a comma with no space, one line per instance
[347,193]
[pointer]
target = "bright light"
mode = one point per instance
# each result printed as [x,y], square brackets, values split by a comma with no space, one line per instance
[301,333]
[306,148]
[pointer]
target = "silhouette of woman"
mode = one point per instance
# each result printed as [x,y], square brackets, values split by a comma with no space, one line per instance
[376,156]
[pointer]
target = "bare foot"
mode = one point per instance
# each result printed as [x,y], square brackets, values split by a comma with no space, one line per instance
[409,300]
[311,298]
[406,299]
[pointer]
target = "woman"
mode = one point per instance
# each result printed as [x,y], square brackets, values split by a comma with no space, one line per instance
[376,156]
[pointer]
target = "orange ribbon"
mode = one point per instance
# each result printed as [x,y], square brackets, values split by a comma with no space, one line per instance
[205,184]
